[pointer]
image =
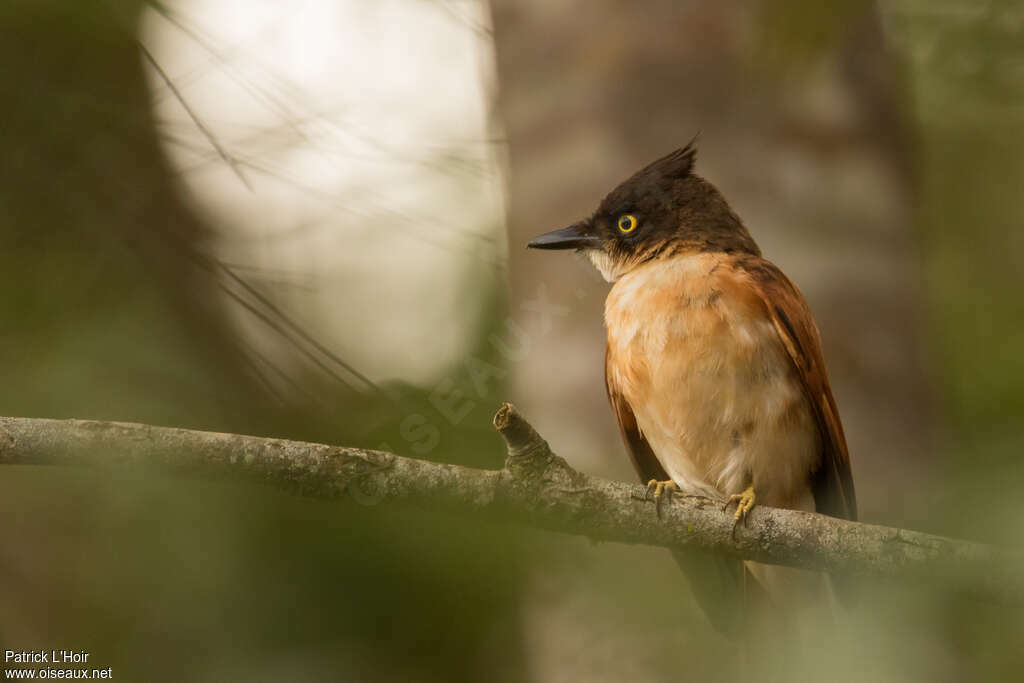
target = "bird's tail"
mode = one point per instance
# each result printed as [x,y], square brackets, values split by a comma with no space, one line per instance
[723,587]
[782,619]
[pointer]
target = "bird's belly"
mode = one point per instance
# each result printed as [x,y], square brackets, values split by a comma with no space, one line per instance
[716,397]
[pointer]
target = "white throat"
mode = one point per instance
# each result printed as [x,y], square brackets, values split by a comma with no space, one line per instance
[610,269]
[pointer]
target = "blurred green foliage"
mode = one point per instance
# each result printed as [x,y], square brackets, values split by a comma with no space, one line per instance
[967,66]
[107,314]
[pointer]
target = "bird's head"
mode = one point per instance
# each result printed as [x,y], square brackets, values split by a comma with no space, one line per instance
[661,211]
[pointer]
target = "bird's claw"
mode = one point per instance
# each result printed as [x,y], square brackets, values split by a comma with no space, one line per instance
[744,504]
[659,489]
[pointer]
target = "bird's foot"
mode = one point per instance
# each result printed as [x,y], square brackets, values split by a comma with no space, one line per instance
[660,489]
[744,504]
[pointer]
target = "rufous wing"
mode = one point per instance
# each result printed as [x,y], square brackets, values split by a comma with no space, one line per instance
[644,460]
[832,482]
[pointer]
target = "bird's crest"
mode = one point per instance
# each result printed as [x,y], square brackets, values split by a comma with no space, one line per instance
[676,164]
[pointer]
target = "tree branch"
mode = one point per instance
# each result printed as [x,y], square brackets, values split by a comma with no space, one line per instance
[535,488]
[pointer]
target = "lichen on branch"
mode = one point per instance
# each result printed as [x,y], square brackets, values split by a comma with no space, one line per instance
[535,488]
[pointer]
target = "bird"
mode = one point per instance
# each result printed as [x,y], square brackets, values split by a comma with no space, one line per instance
[714,371]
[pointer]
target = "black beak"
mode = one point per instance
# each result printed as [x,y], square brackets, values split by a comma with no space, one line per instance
[576,236]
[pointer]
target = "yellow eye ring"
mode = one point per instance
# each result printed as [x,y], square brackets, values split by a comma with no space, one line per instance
[627,223]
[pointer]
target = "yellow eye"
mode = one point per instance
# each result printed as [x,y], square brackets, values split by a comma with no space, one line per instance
[627,222]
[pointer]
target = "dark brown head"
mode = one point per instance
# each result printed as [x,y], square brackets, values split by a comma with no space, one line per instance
[663,210]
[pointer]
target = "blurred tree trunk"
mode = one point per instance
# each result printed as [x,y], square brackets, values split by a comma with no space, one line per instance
[802,126]
[107,314]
